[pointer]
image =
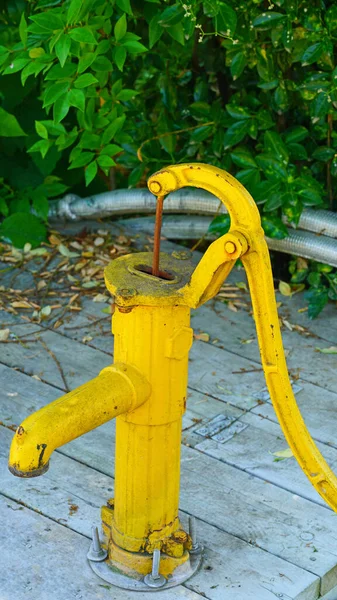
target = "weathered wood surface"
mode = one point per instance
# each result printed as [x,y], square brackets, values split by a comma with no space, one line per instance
[267,532]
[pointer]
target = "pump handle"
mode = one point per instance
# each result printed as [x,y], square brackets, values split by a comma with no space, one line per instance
[246,224]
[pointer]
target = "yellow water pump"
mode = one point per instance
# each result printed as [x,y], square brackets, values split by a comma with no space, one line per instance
[145,546]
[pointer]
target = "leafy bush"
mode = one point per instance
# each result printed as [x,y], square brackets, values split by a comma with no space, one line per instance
[111,91]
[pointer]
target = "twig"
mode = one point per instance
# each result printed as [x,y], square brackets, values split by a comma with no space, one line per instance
[328,166]
[57,362]
[88,324]
[157,137]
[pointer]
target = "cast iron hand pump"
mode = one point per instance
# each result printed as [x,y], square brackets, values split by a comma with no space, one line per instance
[146,546]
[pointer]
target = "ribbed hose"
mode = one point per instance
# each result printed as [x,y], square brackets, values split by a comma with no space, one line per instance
[300,243]
[199,202]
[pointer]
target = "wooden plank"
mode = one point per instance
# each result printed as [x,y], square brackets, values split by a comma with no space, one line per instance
[318,408]
[252,450]
[242,505]
[70,484]
[42,560]
[232,330]
[79,362]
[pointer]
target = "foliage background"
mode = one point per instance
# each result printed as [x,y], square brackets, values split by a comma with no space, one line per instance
[103,92]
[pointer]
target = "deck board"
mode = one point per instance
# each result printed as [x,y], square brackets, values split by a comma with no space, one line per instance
[266,531]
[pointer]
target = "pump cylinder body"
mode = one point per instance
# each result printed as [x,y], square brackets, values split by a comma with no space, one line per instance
[155,339]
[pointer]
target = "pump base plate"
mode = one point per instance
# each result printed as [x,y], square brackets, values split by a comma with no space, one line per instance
[112,575]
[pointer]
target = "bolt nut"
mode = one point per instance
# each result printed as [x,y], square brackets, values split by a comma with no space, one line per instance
[155,187]
[230,247]
[126,293]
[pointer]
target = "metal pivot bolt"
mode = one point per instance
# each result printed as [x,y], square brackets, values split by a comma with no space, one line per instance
[154,579]
[96,552]
[196,547]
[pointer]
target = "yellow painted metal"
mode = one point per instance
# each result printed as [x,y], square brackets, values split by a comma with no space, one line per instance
[117,389]
[146,388]
[156,340]
[245,224]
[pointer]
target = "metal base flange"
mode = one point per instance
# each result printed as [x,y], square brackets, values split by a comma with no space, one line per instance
[110,574]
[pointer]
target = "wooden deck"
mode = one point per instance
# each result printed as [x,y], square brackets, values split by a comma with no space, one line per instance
[266,531]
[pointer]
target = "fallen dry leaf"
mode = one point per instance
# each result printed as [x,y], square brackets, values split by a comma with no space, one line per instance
[285,288]
[4,333]
[204,337]
[282,454]
[331,350]
[21,304]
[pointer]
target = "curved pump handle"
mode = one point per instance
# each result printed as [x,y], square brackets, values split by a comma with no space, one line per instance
[246,240]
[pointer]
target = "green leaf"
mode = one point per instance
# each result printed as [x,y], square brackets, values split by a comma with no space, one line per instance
[296,134]
[220,225]
[271,167]
[242,157]
[125,6]
[134,47]
[85,61]
[85,80]
[238,64]
[250,178]
[237,112]
[119,56]
[202,133]
[3,207]
[120,28]
[23,30]
[317,298]
[236,133]
[16,65]
[77,98]
[82,160]
[274,201]
[74,11]
[111,131]
[177,33]
[54,91]
[125,95]
[83,34]
[40,204]
[41,130]
[171,15]
[155,30]
[319,107]
[103,64]
[313,53]
[57,72]
[297,152]
[226,19]
[41,146]
[90,172]
[36,52]
[323,153]
[22,228]
[62,48]
[274,145]
[111,150]
[268,19]
[274,228]
[49,20]
[61,108]
[105,161]
[9,126]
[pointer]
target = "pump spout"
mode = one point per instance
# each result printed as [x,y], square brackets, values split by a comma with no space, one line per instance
[118,389]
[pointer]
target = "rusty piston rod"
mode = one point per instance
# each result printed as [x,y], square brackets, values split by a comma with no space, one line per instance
[157,233]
